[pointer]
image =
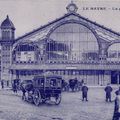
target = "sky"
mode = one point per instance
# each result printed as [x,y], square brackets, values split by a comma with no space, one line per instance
[27,15]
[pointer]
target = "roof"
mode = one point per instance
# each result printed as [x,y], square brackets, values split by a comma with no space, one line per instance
[67,15]
[7,23]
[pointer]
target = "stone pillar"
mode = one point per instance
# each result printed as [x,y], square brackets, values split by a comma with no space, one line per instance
[17,74]
[103,47]
[118,79]
[10,72]
[13,74]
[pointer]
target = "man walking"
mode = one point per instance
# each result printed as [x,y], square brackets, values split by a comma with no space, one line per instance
[2,84]
[118,91]
[108,89]
[84,92]
[15,87]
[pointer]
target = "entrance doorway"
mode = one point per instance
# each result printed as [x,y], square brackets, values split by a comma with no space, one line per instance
[115,77]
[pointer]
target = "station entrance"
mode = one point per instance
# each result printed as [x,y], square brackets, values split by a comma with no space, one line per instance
[115,77]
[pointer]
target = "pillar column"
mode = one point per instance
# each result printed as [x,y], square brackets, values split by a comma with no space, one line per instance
[118,79]
[11,75]
[103,47]
[17,74]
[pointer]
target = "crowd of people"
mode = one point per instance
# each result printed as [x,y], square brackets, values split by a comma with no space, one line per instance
[84,89]
[5,84]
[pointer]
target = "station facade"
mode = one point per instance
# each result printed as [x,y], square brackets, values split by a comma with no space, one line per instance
[71,46]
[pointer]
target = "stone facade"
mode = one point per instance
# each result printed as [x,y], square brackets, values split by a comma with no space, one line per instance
[71,46]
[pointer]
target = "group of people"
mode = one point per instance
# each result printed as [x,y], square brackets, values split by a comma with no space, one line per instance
[108,90]
[4,84]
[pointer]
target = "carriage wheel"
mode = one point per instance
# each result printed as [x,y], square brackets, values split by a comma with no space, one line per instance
[58,99]
[37,97]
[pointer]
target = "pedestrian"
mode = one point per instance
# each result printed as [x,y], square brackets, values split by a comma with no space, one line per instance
[108,89]
[84,92]
[15,87]
[82,81]
[116,114]
[7,83]
[118,91]
[2,84]
[23,91]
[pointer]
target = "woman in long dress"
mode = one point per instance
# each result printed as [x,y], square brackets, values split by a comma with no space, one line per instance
[116,115]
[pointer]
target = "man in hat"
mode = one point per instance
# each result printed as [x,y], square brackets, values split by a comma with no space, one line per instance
[84,92]
[108,90]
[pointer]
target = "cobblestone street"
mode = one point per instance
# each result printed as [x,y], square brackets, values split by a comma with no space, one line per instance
[71,107]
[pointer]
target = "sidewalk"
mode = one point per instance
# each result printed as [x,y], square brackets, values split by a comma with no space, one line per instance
[103,86]
[6,88]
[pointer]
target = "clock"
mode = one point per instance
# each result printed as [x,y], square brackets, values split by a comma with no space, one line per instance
[72,8]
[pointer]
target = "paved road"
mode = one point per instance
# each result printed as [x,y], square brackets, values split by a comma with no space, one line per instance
[71,107]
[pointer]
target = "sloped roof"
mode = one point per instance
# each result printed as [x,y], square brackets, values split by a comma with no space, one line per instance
[7,23]
[67,15]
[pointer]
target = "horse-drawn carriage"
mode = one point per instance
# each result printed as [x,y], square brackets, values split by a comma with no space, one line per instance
[75,85]
[44,88]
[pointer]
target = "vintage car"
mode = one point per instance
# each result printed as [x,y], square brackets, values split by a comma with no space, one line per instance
[45,88]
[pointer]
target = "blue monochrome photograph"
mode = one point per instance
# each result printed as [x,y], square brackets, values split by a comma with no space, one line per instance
[59,60]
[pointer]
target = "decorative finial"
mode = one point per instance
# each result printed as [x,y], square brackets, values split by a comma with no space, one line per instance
[7,17]
[71,1]
[72,7]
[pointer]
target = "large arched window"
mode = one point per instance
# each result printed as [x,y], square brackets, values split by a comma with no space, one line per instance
[114,52]
[73,42]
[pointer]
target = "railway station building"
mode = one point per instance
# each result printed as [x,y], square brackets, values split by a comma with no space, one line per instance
[71,46]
